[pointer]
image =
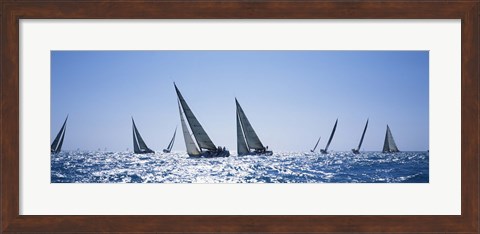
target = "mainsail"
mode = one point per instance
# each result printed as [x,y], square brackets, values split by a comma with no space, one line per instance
[252,140]
[199,133]
[389,145]
[331,135]
[242,147]
[363,135]
[189,143]
[313,150]
[139,145]
[170,145]
[56,146]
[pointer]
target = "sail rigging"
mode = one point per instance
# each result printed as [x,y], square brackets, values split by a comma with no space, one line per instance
[389,145]
[252,140]
[203,140]
[313,150]
[57,143]
[331,136]
[139,146]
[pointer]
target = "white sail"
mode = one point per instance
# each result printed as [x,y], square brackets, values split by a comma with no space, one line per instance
[189,143]
[242,147]
[203,140]
[253,142]
[389,144]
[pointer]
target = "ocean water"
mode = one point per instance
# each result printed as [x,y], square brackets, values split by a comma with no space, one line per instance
[336,167]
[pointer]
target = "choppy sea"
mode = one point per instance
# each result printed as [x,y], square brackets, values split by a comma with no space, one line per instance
[288,167]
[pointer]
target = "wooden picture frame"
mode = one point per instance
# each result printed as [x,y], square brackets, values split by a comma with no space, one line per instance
[12,11]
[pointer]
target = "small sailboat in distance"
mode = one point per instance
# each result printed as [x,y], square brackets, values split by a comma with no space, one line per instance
[206,148]
[313,150]
[357,150]
[247,138]
[170,145]
[139,146]
[56,146]
[389,145]
[325,151]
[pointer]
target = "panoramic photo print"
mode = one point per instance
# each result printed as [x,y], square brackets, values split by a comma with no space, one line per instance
[239,117]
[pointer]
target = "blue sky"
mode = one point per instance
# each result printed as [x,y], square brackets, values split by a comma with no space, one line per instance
[290,97]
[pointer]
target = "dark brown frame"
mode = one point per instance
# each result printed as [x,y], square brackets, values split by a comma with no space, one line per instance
[12,11]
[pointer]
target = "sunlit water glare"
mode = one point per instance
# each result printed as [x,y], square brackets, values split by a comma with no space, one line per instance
[288,167]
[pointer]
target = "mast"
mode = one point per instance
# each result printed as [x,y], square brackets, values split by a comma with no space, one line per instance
[363,135]
[242,147]
[251,137]
[201,137]
[57,143]
[316,144]
[389,145]
[331,135]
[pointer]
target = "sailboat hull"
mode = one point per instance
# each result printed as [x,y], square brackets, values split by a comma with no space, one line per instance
[323,151]
[263,153]
[211,154]
[267,153]
[355,151]
[166,151]
[148,151]
[390,151]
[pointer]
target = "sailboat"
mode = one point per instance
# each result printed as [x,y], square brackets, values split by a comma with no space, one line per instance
[357,150]
[313,150]
[170,145]
[325,151]
[139,146]
[56,146]
[247,139]
[205,148]
[389,145]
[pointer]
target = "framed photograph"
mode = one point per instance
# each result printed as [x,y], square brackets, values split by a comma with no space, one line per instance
[248,156]
[268,116]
